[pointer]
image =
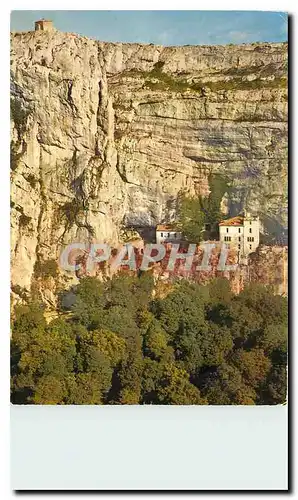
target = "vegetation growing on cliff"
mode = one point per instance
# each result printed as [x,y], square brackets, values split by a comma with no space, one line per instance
[195,212]
[191,217]
[118,345]
[24,220]
[46,269]
[157,79]
[15,153]
[71,210]
[218,185]
[31,179]
[19,114]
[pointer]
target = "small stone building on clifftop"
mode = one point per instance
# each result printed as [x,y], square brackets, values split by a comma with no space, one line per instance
[44,25]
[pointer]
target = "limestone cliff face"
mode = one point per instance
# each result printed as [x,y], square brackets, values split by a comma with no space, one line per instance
[106,135]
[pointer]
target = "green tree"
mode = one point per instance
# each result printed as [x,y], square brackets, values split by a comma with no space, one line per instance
[41,355]
[129,376]
[211,205]
[191,218]
[273,337]
[225,386]
[245,323]
[85,389]
[220,291]
[272,308]
[89,301]
[151,375]
[106,342]
[155,343]
[49,390]
[274,389]
[253,365]
[175,387]
[182,316]
[216,344]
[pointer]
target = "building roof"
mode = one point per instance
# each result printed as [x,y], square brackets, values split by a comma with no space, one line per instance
[233,221]
[167,227]
[43,21]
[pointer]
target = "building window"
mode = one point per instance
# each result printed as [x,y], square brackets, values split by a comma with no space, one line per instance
[239,238]
[250,222]
[168,235]
[175,235]
[239,229]
[227,238]
[161,234]
[250,238]
[239,246]
[227,229]
[250,229]
[250,247]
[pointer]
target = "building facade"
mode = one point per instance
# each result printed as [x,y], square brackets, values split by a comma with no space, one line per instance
[167,233]
[44,25]
[241,232]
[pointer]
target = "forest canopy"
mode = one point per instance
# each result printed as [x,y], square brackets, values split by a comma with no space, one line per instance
[119,343]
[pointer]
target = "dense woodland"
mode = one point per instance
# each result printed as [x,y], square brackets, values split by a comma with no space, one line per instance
[117,343]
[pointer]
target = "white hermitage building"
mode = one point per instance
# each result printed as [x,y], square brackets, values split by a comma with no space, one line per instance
[241,232]
[167,233]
